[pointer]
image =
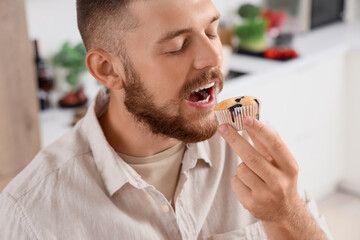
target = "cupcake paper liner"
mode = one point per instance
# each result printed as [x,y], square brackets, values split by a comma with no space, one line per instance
[236,117]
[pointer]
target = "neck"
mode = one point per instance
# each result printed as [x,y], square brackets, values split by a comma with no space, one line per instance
[128,136]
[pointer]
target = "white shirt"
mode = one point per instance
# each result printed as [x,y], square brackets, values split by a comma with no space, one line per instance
[79,188]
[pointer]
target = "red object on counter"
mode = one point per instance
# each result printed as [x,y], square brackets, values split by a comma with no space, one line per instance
[73,99]
[275,19]
[280,53]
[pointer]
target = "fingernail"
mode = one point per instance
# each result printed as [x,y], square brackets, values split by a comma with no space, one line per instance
[248,121]
[223,129]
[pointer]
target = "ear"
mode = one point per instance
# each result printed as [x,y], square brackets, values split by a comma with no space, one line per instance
[101,65]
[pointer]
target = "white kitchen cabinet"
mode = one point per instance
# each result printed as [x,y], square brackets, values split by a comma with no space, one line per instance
[351,180]
[312,103]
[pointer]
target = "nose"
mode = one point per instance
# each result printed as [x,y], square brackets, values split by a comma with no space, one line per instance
[208,53]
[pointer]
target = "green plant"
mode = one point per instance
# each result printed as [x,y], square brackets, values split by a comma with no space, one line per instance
[249,11]
[71,58]
[252,32]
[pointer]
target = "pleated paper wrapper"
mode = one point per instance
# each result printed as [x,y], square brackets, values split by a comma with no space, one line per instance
[236,118]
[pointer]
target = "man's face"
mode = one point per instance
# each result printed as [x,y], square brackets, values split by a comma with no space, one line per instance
[174,51]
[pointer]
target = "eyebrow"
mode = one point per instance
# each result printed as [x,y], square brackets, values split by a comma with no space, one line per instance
[173,34]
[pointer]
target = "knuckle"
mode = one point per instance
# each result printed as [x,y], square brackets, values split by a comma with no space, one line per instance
[266,197]
[240,169]
[275,186]
[274,180]
[249,204]
[260,128]
[230,138]
[277,144]
[280,189]
[294,169]
[251,159]
[268,157]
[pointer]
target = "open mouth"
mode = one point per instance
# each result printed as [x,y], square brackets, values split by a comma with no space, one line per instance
[203,94]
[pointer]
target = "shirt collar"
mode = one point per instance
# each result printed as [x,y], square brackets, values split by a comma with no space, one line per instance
[113,169]
[195,152]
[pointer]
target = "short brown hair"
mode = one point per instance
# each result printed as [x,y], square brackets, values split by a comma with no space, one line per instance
[103,23]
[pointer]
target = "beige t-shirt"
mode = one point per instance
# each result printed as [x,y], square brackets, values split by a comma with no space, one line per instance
[160,170]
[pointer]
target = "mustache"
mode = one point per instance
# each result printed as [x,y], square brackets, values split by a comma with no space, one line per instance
[201,80]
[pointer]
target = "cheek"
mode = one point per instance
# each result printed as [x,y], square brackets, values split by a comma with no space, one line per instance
[159,78]
[168,77]
[221,53]
[163,76]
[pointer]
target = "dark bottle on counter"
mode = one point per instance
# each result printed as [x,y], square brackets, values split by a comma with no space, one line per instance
[45,81]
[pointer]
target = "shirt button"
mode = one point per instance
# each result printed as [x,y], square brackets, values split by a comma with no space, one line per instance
[165,208]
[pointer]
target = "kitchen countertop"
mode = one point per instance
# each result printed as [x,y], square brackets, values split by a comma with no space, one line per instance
[313,46]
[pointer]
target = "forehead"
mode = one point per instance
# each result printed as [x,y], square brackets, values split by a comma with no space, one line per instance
[158,16]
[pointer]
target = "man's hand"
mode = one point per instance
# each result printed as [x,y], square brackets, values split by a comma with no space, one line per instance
[266,182]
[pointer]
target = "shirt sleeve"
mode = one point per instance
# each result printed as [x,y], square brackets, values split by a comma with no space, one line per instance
[13,222]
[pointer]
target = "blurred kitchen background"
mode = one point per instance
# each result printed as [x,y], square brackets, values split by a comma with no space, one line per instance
[300,57]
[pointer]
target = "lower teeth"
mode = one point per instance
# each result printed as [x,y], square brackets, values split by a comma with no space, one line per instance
[205,100]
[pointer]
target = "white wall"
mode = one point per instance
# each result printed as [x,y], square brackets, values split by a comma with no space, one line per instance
[53,22]
[228,8]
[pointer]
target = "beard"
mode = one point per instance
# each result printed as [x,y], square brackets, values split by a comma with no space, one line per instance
[141,104]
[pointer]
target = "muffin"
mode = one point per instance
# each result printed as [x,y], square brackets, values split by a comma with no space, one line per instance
[233,111]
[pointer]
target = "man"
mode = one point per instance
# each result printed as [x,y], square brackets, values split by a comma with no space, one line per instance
[146,161]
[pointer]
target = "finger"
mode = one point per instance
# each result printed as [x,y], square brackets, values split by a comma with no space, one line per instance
[253,159]
[242,192]
[249,178]
[273,143]
[260,147]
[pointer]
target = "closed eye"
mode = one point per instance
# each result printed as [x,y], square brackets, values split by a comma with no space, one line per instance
[181,50]
[211,36]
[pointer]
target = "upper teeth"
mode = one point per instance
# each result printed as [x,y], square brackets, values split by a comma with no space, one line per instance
[205,87]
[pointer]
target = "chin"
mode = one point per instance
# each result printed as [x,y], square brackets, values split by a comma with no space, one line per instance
[201,117]
[198,138]
[200,131]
